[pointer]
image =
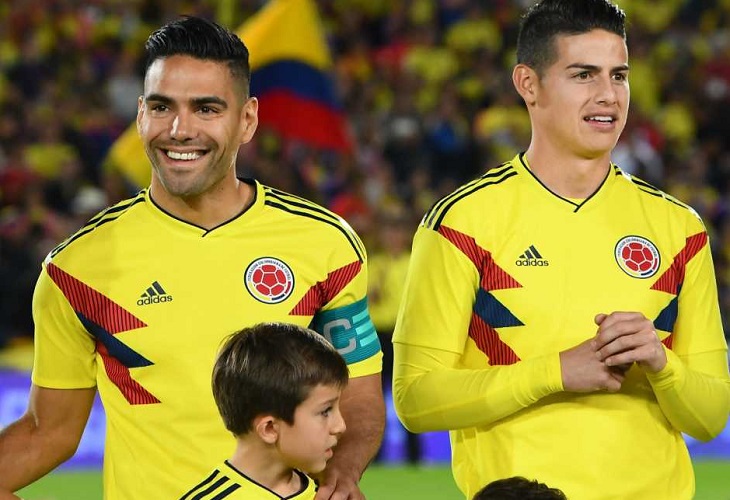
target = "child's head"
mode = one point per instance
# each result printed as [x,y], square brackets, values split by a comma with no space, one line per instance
[283,382]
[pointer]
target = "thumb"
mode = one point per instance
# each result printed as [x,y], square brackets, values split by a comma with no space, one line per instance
[599,318]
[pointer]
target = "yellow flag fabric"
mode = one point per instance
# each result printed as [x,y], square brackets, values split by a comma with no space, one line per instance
[281,30]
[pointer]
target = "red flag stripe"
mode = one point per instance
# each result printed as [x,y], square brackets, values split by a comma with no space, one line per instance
[493,277]
[92,304]
[488,341]
[674,276]
[323,292]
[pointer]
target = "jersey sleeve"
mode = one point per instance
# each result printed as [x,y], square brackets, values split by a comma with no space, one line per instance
[65,353]
[431,390]
[693,389]
[345,319]
[698,327]
[439,295]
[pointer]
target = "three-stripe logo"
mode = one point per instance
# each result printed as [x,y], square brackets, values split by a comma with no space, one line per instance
[531,257]
[154,295]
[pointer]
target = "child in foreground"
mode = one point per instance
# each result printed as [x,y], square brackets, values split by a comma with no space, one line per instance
[277,387]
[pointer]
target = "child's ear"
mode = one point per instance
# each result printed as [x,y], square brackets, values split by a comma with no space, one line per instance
[267,427]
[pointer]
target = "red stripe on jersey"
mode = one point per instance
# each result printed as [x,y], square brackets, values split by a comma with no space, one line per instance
[493,277]
[323,292]
[673,277]
[112,318]
[120,376]
[488,341]
[668,341]
[93,305]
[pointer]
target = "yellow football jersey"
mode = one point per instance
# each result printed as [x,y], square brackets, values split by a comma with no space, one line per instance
[228,483]
[138,302]
[505,271]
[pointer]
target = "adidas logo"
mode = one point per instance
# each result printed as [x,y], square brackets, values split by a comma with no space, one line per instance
[531,257]
[154,295]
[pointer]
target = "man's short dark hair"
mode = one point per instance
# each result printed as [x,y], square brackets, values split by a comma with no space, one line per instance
[270,368]
[518,488]
[548,19]
[202,39]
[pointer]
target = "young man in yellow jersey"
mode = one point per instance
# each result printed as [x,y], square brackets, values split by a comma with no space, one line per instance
[560,316]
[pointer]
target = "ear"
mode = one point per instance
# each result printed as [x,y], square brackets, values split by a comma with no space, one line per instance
[249,119]
[267,427]
[526,83]
[140,107]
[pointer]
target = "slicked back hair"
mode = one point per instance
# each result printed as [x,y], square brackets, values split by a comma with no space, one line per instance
[271,368]
[547,19]
[202,39]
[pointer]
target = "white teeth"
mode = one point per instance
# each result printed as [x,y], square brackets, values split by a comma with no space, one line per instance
[183,156]
[604,119]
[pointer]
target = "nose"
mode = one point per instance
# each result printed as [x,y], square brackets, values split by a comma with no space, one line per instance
[182,127]
[606,92]
[338,426]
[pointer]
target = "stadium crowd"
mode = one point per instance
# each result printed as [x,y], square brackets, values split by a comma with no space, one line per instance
[425,86]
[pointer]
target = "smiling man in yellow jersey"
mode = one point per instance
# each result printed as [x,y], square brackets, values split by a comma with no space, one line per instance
[560,316]
[137,302]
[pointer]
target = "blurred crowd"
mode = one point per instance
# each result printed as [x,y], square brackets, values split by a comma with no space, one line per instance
[426,89]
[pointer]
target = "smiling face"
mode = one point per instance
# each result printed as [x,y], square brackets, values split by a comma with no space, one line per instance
[308,443]
[192,119]
[580,103]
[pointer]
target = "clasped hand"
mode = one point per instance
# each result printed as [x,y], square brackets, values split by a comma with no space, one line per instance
[600,363]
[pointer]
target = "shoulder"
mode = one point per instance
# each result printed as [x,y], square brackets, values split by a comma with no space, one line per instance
[311,220]
[470,200]
[654,198]
[90,230]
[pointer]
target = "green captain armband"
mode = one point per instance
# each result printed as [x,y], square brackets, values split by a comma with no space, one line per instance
[350,330]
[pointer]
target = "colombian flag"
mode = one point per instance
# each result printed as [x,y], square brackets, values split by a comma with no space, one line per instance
[290,75]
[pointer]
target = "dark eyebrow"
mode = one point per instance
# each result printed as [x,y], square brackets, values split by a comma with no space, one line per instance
[594,68]
[196,101]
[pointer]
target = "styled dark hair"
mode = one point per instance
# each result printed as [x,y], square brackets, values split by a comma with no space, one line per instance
[202,39]
[549,18]
[518,488]
[271,368]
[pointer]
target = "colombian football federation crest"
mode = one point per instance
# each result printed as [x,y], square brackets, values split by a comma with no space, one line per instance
[269,280]
[637,257]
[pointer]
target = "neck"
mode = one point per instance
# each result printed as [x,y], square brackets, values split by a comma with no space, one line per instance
[567,175]
[209,209]
[262,463]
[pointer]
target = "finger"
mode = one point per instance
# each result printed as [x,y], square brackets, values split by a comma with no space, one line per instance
[609,331]
[599,318]
[324,492]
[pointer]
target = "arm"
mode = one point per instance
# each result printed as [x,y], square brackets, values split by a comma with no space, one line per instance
[47,435]
[363,409]
[690,380]
[694,393]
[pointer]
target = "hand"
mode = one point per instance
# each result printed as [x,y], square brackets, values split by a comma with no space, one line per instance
[629,337]
[583,371]
[338,484]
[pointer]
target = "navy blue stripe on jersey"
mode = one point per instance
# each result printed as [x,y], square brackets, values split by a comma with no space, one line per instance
[127,356]
[201,484]
[351,238]
[487,180]
[666,319]
[299,202]
[210,489]
[226,492]
[108,215]
[495,172]
[493,312]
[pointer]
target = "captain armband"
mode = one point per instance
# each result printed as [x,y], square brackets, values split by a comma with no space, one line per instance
[350,330]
